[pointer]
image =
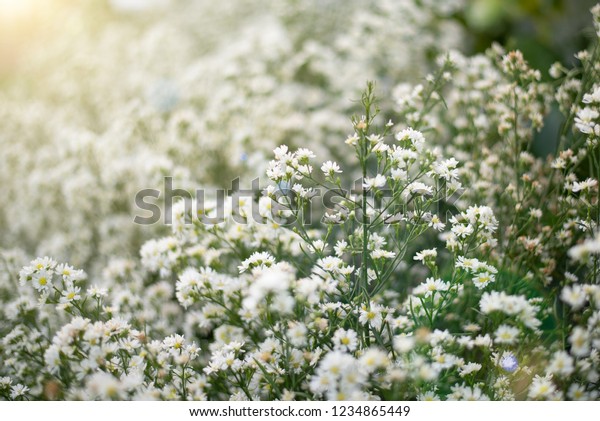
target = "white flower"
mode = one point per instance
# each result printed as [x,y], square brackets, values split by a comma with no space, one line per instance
[446,169]
[404,343]
[423,255]
[297,334]
[582,251]
[104,386]
[574,296]
[345,340]
[352,139]
[471,265]
[430,286]
[462,230]
[340,248]
[579,340]
[561,364]
[330,168]
[304,154]
[586,185]
[585,120]
[372,359]
[415,137]
[371,315]
[382,254]
[399,174]
[506,334]
[481,280]
[429,396]
[336,363]
[274,281]
[257,259]
[374,182]
[436,223]
[374,138]
[70,294]
[592,98]
[42,280]
[541,388]
[18,390]
[281,153]
[469,368]
[418,189]
[97,292]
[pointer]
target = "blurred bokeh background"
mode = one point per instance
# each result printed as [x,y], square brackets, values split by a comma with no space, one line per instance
[102,98]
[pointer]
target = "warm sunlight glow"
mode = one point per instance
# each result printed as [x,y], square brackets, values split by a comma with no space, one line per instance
[15,8]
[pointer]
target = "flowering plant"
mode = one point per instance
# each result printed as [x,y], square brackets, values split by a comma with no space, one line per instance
[446,261]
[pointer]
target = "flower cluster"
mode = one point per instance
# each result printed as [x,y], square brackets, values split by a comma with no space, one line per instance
[434,254]
[208,91]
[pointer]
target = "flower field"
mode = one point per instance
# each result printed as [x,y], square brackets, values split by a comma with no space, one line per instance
[294,201]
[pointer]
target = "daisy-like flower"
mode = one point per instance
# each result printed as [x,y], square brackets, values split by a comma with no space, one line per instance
[574,296]
[418,189]
[404,343]
[585,120]
[423,255]
[345,340]
[416,138]
[469,368]
[561,364]
[581,252]
[436,223]
[481,280]
[374,138]
[331,263]
[340,247]
[42,280]
[352,139]
[430,286]
[304,154]
[257,259]
[585,185]
[371,316]
[373,359]
[593,97]
[580,342]
[70,294]
[374,182]
[330,168]
[18,391]
[470,265]
[399,174]
[541,388]
[506,334]
[382,254]
[429,396]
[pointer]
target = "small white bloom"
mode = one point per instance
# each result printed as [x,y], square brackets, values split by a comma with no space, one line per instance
[506,334]
[345,340]
[330,168]
[374,182]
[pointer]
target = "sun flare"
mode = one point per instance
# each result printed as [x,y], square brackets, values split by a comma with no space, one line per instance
[15,7]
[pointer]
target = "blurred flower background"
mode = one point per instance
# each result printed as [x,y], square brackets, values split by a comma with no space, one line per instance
[101,98]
